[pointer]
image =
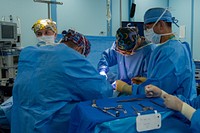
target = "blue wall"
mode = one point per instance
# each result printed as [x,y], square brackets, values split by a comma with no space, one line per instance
[176,7]
[196,30]
[85,16]
[186,11]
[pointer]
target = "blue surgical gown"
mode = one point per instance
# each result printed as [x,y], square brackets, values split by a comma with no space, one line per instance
[5,112]
[128,66]
[172,69]
[195,122]
[49,82]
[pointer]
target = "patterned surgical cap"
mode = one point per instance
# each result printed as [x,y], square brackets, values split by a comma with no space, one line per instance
[44,24]
[77,38]
[126,38]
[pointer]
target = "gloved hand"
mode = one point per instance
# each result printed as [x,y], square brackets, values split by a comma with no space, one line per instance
[152,91]
[103,73]
[173,102]
[123,87]
[138,80]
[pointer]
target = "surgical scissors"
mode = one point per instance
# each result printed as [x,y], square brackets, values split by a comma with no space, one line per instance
[145,108]
[103,110]
[136,110]
[118,108]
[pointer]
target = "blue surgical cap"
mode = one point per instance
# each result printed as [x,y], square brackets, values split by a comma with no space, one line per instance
[153,14]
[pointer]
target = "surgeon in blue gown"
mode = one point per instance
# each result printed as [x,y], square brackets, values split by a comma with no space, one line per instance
[51,80]
[171,66]
[189,108]
[130,52]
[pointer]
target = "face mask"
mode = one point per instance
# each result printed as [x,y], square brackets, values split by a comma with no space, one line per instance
[47,39]
[151,36]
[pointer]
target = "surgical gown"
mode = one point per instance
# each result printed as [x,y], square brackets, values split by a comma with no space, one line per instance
[171,68]
[128,66]
[5,113]
[49,82]
[195,122]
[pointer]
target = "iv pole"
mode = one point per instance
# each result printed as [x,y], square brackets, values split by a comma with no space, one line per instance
[48,3]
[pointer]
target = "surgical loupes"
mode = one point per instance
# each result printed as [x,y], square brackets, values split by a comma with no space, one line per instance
[94,105]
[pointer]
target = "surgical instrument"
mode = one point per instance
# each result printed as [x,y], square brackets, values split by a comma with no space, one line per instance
[118,108]
[103,110]
[136,111]
[130,100]
[145,108]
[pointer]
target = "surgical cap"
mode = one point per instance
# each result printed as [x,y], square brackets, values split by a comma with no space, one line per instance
[126,38]
[153,14]
[77,38]
[44,24]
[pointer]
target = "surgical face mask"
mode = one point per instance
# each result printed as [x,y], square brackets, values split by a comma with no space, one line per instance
[47,39]
[151,36]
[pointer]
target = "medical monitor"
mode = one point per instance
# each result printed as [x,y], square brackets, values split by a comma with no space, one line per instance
[8,31]
[139,25]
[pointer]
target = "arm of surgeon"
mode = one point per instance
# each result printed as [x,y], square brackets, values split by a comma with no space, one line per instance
[170,101]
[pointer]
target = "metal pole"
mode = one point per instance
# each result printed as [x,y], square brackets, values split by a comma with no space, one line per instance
[108,6]
[49,8]
[129,8]
[48,3]
[192,28]
[120,13]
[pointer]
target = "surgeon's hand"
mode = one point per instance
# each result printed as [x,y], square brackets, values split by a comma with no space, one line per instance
[138,80]
[152,91]
[123,87]
[172,102]
[103,73]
